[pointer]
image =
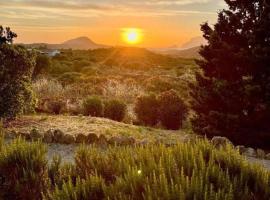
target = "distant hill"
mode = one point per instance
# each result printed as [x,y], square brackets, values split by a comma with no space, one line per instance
[181,53]
[194,42]
[82,43]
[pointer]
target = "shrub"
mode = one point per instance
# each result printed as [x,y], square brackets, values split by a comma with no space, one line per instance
[185,171]
[16,69]
[23,170]
[146,109]
[93,106]
[55,106]
[172,110]
[115,110]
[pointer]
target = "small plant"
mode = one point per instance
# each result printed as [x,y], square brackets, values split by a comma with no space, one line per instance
[172,110]
[23,170]
[55,106]
[93,106]
[115,110]
[146,109]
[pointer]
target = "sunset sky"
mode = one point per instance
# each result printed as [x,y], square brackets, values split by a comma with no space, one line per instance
[162,22]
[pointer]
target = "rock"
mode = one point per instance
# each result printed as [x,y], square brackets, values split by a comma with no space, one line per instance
[102,140]
[260,153]
[48,136]
[10,134]
[67,139]
[267,156]
[57,135]
[129,141]
[249,152]
[143,142]
[220,142]
[24,135]
[35,134]
[115,140]
[92,138]
[241,149]
[81,138]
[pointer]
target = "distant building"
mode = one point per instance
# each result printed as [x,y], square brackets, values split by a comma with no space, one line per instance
[51,52]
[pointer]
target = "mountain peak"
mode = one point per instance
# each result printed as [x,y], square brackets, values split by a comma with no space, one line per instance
[80,40]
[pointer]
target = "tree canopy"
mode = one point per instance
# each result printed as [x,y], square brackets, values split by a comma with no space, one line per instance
[232,95]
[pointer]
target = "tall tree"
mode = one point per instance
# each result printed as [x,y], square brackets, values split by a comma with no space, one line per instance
[16,68]
[232,94]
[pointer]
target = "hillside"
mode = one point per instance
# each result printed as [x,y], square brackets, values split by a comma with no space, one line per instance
[81,43]
[184,53]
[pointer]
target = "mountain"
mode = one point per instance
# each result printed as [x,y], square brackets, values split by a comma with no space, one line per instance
[184,53]
[82,43]
[194,42]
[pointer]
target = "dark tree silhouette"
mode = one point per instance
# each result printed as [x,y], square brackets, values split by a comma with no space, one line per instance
[232,95]
[6,35]
[16,68]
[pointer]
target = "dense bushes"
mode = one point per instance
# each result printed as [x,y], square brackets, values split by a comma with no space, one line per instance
[115,110]
[23,170]
[168,108]
[146,109]
[172,110]
[194,170]
[93,106]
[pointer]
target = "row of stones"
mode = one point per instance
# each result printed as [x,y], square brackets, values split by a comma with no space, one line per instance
[57,136]
[246,151]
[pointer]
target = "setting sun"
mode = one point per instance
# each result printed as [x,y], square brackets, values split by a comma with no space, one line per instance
[132,35]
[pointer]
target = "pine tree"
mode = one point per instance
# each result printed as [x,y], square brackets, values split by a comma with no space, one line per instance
[232,95]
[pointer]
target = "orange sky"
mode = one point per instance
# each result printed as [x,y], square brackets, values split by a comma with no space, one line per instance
[163,22]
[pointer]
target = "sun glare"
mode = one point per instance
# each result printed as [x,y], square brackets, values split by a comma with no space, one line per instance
[132,35]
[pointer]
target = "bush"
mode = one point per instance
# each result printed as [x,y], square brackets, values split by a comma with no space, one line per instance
[185,171]
[115,110]
[23,170]
[146,109]
[55,106]
[93,106]
[172,110]
[16,95]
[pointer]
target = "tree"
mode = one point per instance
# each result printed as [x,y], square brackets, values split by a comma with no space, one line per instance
[16,68]
[43,63]
[232,95]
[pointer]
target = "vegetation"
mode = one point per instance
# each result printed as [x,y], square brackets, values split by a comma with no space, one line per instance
[16,70]
[188,171]
[232,95]
[115,110]
[146,109]
[172,110]
[93,106]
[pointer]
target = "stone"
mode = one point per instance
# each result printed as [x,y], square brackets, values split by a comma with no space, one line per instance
[24,135]
[102,140]
[124,141]
[67,139]
[81,138]
[143,142]
[57,135]
[92,138]
[260,153]
[220,142]
[115,140]
[48,136]
[249,152]
[241,149]
[267,157]
[35,134]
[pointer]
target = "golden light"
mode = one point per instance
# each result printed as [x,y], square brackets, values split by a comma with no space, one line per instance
[132,35]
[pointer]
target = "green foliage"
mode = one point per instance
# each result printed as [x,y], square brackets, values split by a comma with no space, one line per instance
[93,106]
[172,110]
[231,97]
[43,64]
[115,110]
[23,169]
[194,170]
[16,69]
[69,77]
[146,109]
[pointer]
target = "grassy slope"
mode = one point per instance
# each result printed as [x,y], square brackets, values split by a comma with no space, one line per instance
[85,125]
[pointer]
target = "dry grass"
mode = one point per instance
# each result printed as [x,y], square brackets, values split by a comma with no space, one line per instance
[80,124]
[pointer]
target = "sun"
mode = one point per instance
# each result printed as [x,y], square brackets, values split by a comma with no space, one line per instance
[132,35]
